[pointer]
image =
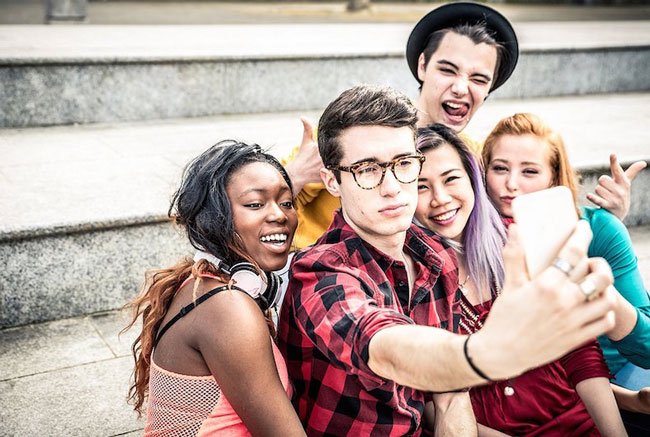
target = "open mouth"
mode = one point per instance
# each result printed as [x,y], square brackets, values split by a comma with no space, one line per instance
[275,239]
[455,109]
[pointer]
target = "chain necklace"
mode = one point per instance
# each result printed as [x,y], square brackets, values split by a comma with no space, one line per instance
[470,322]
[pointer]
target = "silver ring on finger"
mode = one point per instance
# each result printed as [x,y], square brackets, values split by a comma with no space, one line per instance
[563,265]
[588,289]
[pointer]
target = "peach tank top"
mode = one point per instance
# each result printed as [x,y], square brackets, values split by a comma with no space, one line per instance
[184,405]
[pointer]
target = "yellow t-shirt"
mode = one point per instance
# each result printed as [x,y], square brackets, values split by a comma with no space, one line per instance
[315,205]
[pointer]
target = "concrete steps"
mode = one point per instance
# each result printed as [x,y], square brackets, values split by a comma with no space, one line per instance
[96,123]
[84,207]
[90,74]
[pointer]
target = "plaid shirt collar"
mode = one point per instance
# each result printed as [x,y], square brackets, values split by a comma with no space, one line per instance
[340,231]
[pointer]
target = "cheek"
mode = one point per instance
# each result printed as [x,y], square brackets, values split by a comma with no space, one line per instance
[493,183]
[292,217]
[479,93]
[422,208]
[535,184]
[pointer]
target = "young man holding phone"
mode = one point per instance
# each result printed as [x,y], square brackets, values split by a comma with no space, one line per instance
[367,326]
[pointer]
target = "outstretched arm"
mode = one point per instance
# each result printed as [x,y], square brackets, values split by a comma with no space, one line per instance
[613,192]
[532,323]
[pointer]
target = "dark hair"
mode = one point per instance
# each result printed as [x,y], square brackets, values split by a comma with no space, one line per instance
[201,205]
[478,33]
[484,234]
[363,105]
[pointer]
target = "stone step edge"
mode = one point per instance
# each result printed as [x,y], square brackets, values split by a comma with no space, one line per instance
[16,234]
[158,59]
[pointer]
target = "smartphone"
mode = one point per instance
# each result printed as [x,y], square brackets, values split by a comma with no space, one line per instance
[545,220]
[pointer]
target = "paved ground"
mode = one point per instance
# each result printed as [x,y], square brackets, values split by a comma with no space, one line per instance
[209,12]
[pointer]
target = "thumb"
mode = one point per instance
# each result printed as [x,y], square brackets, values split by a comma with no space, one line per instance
[634,169]
[307,131]
[514,260]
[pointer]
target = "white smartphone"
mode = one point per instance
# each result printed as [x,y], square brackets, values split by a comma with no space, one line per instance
[545,220]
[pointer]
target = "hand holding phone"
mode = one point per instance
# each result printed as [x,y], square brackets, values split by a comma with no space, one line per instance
[545,220]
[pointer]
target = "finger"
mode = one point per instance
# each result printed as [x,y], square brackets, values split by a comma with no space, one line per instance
[596,327]
[571,254]
[609,183]
[606,194]
[594,284]
[597,309]
[634,169]
[575,249]
[580,271]
[615,167]
[597,200]
[514,260]
[307,131]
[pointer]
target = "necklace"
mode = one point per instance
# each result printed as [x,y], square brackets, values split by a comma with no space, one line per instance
[470,322]
[462,284]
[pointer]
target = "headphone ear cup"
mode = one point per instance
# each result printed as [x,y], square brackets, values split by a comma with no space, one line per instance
[273,287]
[264,289]
[245,276]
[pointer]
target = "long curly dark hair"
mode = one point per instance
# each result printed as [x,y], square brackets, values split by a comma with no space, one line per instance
[201,206]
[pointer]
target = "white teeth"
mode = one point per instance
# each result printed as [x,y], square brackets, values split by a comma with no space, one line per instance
[453,105]
[274,238]
[446,215]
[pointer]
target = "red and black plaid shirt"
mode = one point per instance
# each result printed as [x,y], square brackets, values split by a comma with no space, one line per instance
[342,291]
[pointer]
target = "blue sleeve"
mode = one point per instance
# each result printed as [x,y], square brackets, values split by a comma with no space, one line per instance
[636,346]
[612,242]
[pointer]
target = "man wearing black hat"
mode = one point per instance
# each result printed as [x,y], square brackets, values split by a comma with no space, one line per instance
[459,53]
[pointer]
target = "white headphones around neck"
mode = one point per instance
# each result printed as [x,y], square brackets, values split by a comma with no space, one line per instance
[265,290]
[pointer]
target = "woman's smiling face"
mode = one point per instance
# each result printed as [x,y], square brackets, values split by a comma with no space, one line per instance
[263,213]
[445,194]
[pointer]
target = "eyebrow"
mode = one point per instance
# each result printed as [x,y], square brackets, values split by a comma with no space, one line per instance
[373,159]
[444,62]
[523,163]
[444,173]
[262,191]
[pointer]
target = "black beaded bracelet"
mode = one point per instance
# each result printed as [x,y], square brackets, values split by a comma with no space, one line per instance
[471,363]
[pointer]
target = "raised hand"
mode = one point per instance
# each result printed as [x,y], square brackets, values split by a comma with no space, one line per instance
[613,192]
[305,166]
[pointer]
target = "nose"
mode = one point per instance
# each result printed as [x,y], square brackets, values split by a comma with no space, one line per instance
[460,87]
[276,214]
[512,181]
[390,186]
[440,197]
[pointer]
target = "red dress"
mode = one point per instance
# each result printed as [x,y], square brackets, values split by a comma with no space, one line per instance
[542,401]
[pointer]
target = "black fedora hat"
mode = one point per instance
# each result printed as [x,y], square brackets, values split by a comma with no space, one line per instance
[453,14]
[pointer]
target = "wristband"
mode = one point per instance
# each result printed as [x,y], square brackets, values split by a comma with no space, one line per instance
[471,363]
